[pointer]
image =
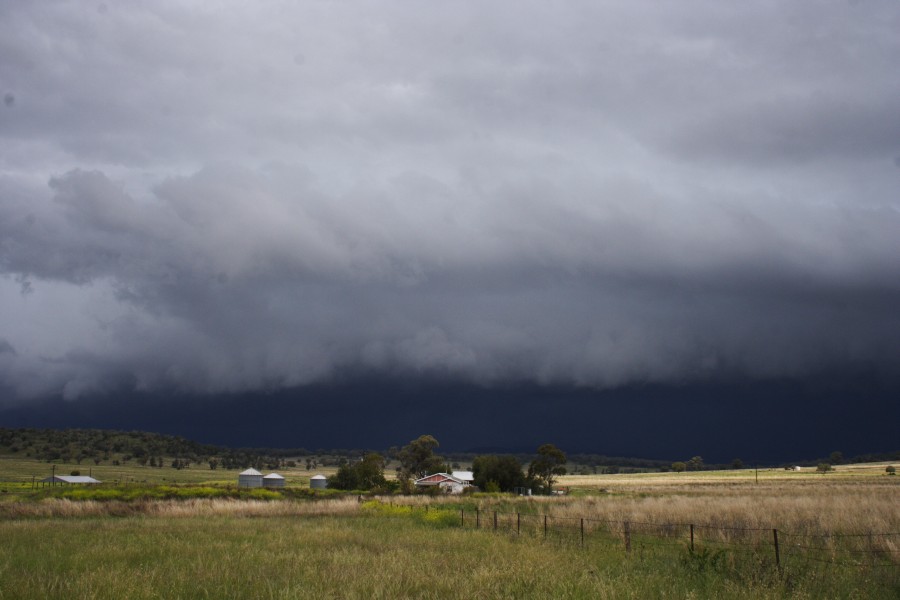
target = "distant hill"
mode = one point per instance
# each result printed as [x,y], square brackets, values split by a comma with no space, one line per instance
[145,448]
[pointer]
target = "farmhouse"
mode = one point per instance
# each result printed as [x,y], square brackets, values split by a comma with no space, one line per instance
[447,483]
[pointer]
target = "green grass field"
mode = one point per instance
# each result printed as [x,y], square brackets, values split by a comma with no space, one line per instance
[165,533]
[373,555]
[20,470]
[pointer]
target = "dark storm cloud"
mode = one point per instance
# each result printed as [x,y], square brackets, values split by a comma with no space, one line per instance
[264,197]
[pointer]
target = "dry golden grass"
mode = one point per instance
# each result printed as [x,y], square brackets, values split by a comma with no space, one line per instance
[179,508]
[804,505]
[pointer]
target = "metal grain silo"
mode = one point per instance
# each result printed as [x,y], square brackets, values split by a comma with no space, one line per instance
[318,482]
[250,478]
[273,480]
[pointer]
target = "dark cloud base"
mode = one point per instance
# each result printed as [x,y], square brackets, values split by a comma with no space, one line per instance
[769,421]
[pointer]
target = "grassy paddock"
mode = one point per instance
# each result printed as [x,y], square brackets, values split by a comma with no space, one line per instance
[820,505]
[214,547]
[17,472]
[375,554]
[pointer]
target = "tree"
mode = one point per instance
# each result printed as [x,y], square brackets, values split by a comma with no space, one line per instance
[836,458]
[890,470]
[417,459]
[503,471]
[366,474]
[823,468]
[344,479]
[679,467]
[695,464]
[370,471]
[737,464]
[548,464]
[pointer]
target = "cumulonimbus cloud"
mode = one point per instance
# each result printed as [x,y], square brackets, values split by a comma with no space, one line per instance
[548,200]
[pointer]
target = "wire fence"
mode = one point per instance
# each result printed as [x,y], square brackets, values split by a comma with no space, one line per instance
[764,546]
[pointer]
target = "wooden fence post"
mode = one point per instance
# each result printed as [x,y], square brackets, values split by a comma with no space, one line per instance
[692,537]
[582,532]
[477,518]
[627,531]
[777,555]
[545,525]
[495,520]
[518,523]
[462,517]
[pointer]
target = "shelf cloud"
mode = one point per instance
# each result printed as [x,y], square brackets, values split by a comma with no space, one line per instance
[268,196]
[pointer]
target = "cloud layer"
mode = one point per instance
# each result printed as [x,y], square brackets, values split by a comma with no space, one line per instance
[267,196]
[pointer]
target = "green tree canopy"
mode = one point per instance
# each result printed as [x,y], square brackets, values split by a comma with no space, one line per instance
[365,474]
[547,466]
[504,471]
[417,459]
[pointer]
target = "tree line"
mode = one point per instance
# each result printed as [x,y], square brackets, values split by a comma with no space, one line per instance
[491,472]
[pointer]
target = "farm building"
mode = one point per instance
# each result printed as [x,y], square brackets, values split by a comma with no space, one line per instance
[250,478]
[71,479]
[273,480]
[447,483]
[318,482]
[467,476]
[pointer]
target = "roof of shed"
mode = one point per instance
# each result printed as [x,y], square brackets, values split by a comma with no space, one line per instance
[71,479]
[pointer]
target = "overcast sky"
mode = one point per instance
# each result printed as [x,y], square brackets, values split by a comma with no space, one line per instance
[245,196]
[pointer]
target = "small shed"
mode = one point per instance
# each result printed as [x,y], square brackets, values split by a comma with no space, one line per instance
[71,479]
[318,482]
[250,478]
[273,480]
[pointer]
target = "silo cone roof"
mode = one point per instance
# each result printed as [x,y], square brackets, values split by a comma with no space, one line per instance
[273,476]
[251,472]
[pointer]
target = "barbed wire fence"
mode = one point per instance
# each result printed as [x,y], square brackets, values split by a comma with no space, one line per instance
[764,546]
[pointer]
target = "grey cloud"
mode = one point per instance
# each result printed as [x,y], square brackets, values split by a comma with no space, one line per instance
[267,196]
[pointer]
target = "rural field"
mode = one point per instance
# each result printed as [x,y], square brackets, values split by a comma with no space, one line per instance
[612,536]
